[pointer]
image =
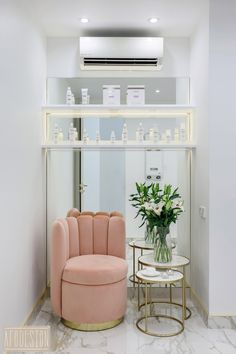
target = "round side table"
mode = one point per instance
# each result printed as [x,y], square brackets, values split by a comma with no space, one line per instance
[175,276]
[176,262]
[141,245]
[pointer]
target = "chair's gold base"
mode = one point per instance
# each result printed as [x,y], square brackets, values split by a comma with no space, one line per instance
[92,326]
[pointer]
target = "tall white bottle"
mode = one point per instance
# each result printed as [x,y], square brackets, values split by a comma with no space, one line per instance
[140,133]
[71,133]
[176,135]
[113,137]
[156,134]
[97,137]
[60,135]
[55,134]
[125,134]
[75,134]
[69,98]
[168,135]
[85,136]
[182,132]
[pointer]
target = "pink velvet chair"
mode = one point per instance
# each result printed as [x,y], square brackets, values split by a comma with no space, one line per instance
[88,270]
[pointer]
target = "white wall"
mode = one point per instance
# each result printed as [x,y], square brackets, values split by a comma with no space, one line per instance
[222,127]
[63,60]
[213,77]
[22,87]
[60,171]
[90,169]
[200,180]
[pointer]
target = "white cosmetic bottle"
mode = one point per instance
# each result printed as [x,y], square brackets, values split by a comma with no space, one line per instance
[55,134]
[168,135]
[176,135]
[85,136]
[75,134]
[69,94]
[182,132]
[125,134]
[84,94]
[71,133]
[156,135]
[60,135]
[97,137]
[113,137]
[140,133]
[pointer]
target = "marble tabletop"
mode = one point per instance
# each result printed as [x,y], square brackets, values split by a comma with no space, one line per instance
[141,244]
[161,277]
[177,261]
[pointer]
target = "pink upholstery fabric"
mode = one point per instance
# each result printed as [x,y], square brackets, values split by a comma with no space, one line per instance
[116,237]
[95,270]
[102,213]
[100,234]
[85,223]
[73,212]
[91,213]
[59,256]
[94,304]
[73,236]
[116,213]
[88,274]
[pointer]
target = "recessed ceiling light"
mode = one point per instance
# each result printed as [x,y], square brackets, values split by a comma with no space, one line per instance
[153,20]
[157,91]
[84,20]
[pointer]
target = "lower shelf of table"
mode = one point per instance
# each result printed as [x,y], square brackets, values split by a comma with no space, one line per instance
[159,334]
[188,311]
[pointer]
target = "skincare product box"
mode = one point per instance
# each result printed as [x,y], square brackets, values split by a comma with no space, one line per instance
[85,96]
[182,132]
[111,94]
[135,95]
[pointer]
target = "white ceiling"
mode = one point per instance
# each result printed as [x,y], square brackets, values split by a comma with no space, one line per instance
[117,17]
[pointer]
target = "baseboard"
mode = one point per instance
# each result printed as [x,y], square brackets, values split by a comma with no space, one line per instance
[213,321]
[200,307]
[221,322]
[36,307]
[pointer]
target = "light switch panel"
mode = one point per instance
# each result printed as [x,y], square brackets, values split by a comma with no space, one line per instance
[202,211]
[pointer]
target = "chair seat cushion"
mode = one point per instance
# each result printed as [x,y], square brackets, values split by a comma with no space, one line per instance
[95,269]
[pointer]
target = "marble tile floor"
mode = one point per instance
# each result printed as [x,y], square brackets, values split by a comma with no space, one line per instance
[127,339]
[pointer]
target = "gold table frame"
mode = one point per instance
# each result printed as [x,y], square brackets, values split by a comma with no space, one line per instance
[147,247]
[169,266]
[146,303]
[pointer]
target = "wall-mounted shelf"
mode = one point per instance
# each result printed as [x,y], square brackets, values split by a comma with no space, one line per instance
[119,110]
[118,145]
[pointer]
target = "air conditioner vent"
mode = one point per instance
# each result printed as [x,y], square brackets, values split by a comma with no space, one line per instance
[122,61]
[121,53]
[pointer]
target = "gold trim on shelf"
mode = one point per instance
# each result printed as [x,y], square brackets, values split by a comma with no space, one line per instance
[92,326]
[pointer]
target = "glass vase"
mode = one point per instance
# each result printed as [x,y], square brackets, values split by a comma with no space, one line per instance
[150,234]
[162,250]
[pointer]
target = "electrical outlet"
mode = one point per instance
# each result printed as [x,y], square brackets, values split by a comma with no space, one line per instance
[202,211]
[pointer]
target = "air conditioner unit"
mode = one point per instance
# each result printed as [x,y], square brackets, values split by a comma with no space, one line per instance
[121,53]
